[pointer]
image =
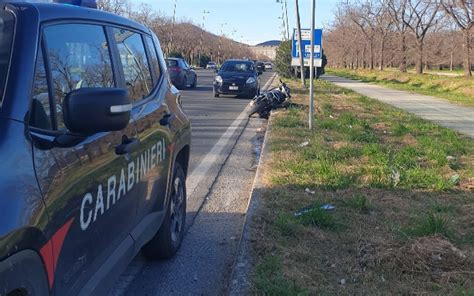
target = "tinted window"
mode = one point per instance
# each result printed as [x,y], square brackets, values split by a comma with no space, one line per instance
[40,115]
[79,57]
[6,39]
[153,57]
[231,66]
[135,63]
[172,63]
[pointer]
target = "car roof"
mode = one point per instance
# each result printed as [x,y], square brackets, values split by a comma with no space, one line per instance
[238,60]
[56,11]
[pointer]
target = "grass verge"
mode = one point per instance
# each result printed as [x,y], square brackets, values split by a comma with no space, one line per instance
[457,90]
[403,192]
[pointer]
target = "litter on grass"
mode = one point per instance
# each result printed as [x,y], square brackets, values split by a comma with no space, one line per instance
[307,190]
[326,207]
[304,144]
[455,179]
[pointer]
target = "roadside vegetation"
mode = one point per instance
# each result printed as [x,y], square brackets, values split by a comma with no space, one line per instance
[454,89]
[403,195]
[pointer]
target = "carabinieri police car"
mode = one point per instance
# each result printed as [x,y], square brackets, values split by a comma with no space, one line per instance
[95,149]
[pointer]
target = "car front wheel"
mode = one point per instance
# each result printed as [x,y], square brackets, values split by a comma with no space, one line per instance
[168,239]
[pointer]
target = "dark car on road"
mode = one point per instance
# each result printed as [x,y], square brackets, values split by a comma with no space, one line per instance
[95,149]
[260,67]
[237,77]
[181,73]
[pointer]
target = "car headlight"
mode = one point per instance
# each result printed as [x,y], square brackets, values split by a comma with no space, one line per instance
[251,80]
[218,79]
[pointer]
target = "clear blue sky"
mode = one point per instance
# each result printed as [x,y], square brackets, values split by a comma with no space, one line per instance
[255,20]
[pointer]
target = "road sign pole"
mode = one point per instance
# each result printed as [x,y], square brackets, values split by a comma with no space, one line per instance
[311,67]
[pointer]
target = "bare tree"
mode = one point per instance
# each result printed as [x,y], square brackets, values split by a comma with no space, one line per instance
[462,12]
[419,16]
[397,10]
[362,14]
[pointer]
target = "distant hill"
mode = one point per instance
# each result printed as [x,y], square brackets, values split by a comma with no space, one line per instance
[270,43]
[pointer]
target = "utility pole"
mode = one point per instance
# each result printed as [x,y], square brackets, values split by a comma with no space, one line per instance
[311,67]
[300,45]
[232,33]
[284,16]
[220,44]
[287,23]
[172,27]
[204,12]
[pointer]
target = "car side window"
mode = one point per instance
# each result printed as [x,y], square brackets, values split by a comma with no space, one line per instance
[136,67]
[154,58]
[79,57]
[40,114]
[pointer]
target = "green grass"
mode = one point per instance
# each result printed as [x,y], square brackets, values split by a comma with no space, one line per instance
[457,90]
[319,217]
[360,203]
[429,224]
[388,173]
[270,280]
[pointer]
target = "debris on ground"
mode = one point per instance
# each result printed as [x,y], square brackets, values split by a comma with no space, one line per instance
[307,190]
[327,207]
[435,255]
[395,177]
[304,144]
[455,179]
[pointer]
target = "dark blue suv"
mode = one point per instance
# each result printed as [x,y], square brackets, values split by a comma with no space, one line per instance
[95,149]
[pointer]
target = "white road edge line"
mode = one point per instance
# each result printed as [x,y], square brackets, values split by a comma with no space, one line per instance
[193,180]
[199,173]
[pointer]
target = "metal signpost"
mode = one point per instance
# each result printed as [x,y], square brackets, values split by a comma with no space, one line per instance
[311,68]
[312,45]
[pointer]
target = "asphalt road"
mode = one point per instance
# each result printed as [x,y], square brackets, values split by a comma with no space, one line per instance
[219,182]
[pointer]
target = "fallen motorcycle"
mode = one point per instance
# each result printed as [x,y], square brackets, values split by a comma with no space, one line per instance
[265,102]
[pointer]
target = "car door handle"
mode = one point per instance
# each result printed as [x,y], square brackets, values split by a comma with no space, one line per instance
[128,145]
[166,119]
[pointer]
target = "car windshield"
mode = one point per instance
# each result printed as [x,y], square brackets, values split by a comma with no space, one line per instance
[6,40]
[237,67]
[172,63]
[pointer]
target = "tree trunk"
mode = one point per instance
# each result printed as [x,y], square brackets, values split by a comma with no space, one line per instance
[298,24]
[467,53]
[364,65]
[371,65]
[403,51]
[419,57]
[382,51]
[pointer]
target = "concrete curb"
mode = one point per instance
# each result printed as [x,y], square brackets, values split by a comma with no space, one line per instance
[239,282]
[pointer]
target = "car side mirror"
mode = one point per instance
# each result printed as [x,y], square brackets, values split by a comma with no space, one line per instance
[88,111]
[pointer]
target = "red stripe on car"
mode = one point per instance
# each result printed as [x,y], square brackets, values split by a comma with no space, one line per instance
[51,250]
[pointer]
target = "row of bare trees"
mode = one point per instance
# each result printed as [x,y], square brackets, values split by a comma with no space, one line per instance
[181,37]
[424,33]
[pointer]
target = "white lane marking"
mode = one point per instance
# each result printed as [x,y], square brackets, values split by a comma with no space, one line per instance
[199,173]
[193,180]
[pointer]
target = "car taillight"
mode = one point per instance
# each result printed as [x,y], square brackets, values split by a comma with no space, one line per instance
[174,69]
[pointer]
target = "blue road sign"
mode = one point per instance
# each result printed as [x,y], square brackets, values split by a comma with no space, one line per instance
[306,41]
